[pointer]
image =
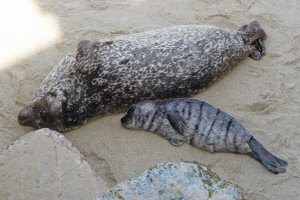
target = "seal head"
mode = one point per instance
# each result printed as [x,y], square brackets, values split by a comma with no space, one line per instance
[43,112]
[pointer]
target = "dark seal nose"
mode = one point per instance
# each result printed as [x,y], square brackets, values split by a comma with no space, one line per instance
[26,117]
[124,120]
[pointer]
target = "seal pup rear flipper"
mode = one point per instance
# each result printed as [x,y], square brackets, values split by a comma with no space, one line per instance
[271,162]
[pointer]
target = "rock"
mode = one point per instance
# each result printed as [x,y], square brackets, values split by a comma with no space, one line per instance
[44,165]
[174,181]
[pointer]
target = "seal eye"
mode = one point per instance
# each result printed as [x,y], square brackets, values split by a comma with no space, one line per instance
[131,110]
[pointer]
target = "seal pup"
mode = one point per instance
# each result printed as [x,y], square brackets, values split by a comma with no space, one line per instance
[201,125]
[107,76]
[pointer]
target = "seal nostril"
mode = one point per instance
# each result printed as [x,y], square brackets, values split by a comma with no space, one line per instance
[123,120]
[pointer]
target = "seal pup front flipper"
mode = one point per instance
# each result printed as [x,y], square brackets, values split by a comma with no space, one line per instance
[175,142]
[271,162]
[178,123]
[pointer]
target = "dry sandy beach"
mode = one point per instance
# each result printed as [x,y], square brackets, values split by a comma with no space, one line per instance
[263,95]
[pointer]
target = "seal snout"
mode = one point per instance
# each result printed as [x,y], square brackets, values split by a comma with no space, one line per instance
[26,117]
[125,120]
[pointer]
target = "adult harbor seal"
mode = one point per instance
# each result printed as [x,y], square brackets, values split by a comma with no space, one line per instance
[107,76]
[201,125]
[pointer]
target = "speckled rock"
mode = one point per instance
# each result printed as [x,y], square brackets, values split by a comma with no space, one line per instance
[174,181]
[44,165]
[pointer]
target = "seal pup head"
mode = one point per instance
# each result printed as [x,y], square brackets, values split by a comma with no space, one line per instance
[138,114]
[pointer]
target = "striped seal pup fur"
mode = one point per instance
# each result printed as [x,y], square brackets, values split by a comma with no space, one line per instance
[107,76]
[201,125]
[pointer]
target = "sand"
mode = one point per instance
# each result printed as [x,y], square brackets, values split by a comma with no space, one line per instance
[263,95]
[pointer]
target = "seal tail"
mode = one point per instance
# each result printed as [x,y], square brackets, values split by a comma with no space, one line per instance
[271,162]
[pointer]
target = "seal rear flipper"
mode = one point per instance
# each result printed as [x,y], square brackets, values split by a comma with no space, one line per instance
[259,49]
[271,162]
[243,27]
[254,35]
[252,32]
[260,46]
[255,55]
[177,122]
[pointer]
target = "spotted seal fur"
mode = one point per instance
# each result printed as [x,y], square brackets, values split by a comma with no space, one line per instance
[107,76]
[201,125]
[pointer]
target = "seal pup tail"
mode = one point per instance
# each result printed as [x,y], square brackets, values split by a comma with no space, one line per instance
[271,162]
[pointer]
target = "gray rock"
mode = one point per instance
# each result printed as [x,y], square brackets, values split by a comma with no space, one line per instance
[44,165]
[174,181]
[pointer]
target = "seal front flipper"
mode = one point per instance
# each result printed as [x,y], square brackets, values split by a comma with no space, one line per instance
[271,162]
[177,122]
[83,49]
[86,47]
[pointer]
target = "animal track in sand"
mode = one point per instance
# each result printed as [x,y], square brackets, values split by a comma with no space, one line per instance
[104,4]
[102,168]
[258,107]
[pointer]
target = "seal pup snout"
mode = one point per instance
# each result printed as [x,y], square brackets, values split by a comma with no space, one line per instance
[127,119]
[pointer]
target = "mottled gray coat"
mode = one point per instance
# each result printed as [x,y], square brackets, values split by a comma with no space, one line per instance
[108,75]
[201,125]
